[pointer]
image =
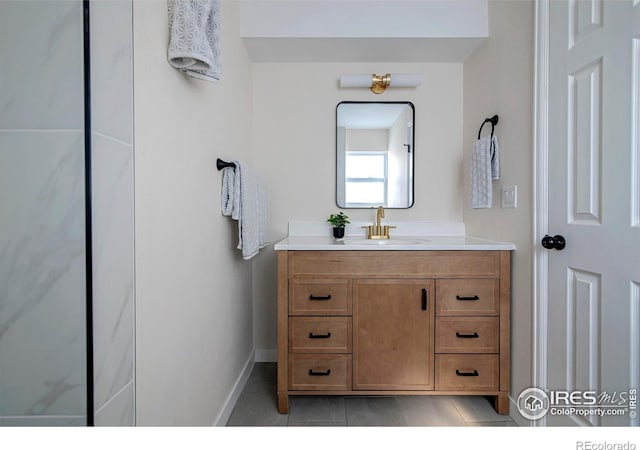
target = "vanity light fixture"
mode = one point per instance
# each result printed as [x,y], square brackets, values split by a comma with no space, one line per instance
[378,83]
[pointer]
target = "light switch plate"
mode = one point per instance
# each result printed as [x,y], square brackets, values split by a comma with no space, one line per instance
[510,196]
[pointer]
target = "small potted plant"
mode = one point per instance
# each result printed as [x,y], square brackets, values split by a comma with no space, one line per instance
[339,221]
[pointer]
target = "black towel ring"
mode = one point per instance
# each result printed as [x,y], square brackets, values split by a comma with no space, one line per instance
[492,120]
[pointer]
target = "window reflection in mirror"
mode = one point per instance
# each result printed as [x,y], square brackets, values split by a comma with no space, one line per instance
[374,154]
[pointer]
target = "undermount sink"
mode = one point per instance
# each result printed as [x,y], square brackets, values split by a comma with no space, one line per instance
[390,241]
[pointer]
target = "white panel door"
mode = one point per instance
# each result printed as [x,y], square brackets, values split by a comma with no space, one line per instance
[594,201]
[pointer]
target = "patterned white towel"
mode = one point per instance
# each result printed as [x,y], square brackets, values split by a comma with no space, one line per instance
[244,198]
[194,37]
[485,167]
[228,184]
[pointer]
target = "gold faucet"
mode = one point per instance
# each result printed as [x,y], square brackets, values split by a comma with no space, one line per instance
[378,231]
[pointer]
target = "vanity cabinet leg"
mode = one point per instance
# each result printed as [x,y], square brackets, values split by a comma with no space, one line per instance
[283,403]
[501,403]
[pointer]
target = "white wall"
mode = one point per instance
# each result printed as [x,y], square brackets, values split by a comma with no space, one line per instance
[498,79]
[399,160]
[193,290]
[367,140]
[294,119]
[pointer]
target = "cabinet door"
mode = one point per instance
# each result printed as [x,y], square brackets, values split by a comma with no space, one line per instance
[393,343]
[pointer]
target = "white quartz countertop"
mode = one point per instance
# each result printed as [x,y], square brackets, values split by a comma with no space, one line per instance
[394,243]
[407,236]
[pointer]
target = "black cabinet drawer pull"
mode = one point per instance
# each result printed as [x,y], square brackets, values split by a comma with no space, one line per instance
[467,335]
[473,297]
[320,374]
[424,299]
[320,297]
[467,374]
[319,336]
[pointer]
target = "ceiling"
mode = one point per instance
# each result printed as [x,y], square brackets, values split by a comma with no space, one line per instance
[368,115]
[361,49]
[363,30]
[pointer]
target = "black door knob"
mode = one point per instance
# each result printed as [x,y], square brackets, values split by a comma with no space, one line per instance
[558,242]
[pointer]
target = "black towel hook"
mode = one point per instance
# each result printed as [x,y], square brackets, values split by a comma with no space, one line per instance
[492,120]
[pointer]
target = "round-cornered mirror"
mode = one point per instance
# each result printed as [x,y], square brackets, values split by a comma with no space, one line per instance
[374,154]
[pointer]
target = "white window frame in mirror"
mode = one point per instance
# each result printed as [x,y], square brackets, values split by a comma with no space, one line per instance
[376,179]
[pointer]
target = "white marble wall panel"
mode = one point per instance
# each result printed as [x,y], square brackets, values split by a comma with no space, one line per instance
[119,411]
[41,72]
[112,266]
[43,421]
[42,274]
[113,227]
[112,69]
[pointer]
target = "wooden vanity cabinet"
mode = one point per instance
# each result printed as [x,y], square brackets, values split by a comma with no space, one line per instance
[394,323]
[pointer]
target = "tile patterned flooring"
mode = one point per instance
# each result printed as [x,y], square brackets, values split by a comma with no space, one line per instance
[256,406]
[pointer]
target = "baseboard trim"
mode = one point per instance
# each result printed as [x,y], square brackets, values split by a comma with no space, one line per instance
[230,402]
[267,355]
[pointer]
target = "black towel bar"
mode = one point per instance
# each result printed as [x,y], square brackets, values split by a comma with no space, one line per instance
[220,164]
[492,120]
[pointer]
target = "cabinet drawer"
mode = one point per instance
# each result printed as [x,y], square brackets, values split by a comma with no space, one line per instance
[320,334]
[467,372]
[415,264]
[319,297]
[319,372]
[467,335]
[467,297]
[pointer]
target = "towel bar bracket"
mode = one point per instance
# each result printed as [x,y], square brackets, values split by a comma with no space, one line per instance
[220,164]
